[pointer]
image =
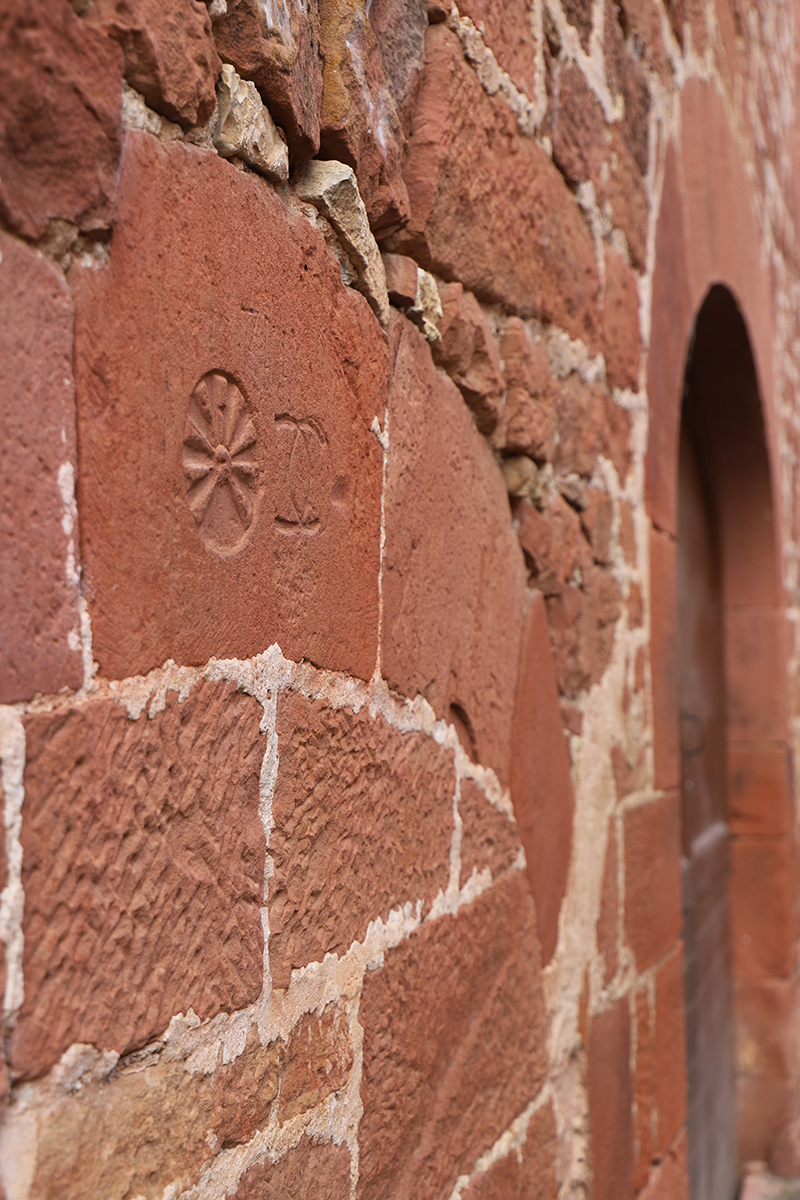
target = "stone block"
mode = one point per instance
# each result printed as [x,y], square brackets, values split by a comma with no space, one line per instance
[623,341]
[589,424]
[597,517]
[143,866]
[60,120]
[454,1044]
[528,416]
[664,660]
[541,788]
[400,27]
[766,1027]
[359,124]
[784,1156]
[652,878]
[669,1179]
[582,623]
[454,576]
[762,907]
[553,543]
[362,819]
[305,1172]
[246,130]
[224,391]
[627,77]
[669,1046]
[488,837]
[401,279]
[764,1104]
[507,31]
[610,1103]
[759,788]
[756,650]
[487,205]
[40,638]
[468,352]
[316,1063]
[608,917]
[278,48]
[529,1172]
[170,57]
[644,1091]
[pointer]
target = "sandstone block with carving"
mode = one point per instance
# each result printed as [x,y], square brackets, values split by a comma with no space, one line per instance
[359,122]
[505,224]
[39,621]
[454,1044]
[223,390]
[60,84]
[468,352]
[169,52]
[332,188]
[305,1172]
[454,576]
[246,130]
[143,865]
[362,820]
[277,46]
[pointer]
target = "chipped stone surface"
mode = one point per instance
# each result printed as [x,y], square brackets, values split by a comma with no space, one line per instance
[454,1024]
[305,1172]
[39,617]
[332,187]
[300,525]
[362,819]
[488,837]
[60,83]
[143,859]
[246,129]
[427,312]
[468,352]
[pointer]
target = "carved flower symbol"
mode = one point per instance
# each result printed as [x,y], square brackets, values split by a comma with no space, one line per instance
[220,462]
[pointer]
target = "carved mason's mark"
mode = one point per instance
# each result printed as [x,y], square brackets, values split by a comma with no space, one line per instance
[304,475]
[220,462]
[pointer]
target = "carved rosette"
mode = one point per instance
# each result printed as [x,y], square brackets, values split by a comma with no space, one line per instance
[220,462]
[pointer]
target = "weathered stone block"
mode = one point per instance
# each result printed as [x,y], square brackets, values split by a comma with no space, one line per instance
[623,342]
[589,424]
[525,1174]
[362,820]
[553,543]
[541,788]
[487,206]
[508,32]
[39,622]
[143,865]
[652,879]
[400,27]
[611,1103]
[305,1172]
[454,576]
[669,1045]
[169,52]
[246,130]
[279,49]
[582,623]
[488,837]
[468,352]
[401,279]
[317,1061]
[528,417]
[60,118]
[225,393]
[453,1044]
[762,888]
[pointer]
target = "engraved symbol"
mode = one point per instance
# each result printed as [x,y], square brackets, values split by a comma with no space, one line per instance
[220,462]
[304,486]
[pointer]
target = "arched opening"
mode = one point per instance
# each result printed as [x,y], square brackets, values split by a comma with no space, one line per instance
[736,803]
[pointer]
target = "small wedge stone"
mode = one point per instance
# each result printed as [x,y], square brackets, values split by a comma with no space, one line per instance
[246,130]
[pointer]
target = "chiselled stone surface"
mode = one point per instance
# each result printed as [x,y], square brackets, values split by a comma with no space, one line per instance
[264,309]
[488,837]
[39,623]
[453,575]
[245,128]
[306,1172]
[504,224]
[60,85]
[318,1061]
[525,1174]
[278,47]
[453,1045]
[468,352]
[169,52]
[143,858]
[362,819]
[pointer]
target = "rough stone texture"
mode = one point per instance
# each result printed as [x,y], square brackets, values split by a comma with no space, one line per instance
[246,130]
[644,1090]
[504,224]
[669,1179]
[508,33]
[627,78]
[610,1103]
[400,27]
[39,621]
[541,789]
[767,1028]
[358,119]
[332,188]
[554,545]
[597,516]
[306,1172]
[401,279]
[623,341]
[526,1174]
[60,84]
[468,352]
[488,837]
[262,319]
[589,424]
[278,47]
[143,859]
[362,819]
[453,1044]
[169,52]
[528,419]
[762,891]
[759,791]
[608,918]
[317,1061]
[582,623]
[453,575]
[652,879]
[669,1050]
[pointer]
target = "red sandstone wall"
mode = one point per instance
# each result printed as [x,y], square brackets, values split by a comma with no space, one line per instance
[338,746]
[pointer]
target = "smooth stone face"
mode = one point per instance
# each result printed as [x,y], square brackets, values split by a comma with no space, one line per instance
[39,621]
[243,506]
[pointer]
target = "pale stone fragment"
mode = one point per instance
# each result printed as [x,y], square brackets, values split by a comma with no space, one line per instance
[246,130]
[427,310]
[136,115]
[331,187]
[520,475]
